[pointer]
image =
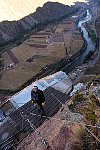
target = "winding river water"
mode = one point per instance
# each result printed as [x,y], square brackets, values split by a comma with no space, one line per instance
[90,45]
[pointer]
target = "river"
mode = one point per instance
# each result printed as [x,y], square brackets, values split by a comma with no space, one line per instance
[90,46]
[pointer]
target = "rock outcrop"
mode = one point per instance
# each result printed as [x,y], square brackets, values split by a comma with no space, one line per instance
[51,11]
[95,9]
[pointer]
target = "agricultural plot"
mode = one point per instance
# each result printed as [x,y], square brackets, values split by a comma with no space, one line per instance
[39,50]
[7,59]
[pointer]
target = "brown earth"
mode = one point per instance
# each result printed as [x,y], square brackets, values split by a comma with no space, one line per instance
[41,52]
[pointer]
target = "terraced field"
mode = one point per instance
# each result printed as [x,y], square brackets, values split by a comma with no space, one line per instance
[41,49]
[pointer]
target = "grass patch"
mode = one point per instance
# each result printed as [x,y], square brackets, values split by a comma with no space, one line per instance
[92,35]
[35,57]
[82,140]
[94,100]
[75,100]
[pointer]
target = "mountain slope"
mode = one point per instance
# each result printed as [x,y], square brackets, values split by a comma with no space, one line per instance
[50,10]
[95,9]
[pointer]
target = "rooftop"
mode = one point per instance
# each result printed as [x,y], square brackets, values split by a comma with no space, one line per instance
[18,119]
[59,81]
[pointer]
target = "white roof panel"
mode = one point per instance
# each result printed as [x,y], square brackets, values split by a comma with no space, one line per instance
[57,81]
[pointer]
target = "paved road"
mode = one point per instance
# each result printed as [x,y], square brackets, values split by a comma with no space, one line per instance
[77,80]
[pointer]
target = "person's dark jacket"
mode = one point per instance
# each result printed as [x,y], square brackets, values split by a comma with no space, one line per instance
[38,96]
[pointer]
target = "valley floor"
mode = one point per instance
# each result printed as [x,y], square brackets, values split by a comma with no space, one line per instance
[43,48]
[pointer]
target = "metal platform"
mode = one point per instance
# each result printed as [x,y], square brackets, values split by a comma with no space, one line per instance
[19,127]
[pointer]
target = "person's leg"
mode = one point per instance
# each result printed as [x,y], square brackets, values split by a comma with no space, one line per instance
[41,107]
[38,107]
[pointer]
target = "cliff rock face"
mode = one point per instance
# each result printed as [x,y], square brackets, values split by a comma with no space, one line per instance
[95,8]
[11,29]
[98,2]
[51,11]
